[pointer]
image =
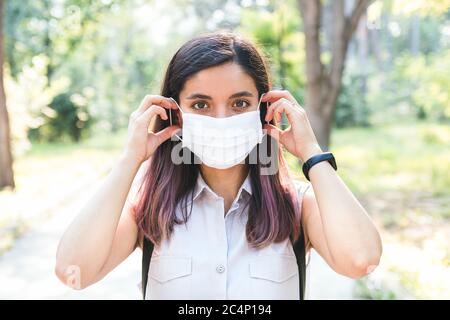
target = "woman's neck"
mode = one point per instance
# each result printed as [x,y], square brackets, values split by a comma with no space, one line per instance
[225,182]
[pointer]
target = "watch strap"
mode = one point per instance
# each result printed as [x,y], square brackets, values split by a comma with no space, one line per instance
[325,156]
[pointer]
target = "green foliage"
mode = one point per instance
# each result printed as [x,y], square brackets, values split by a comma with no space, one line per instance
[52,27]
[66,118]
[433,8]
[394,157]
[102,50]
[109,52]
[351,107]
[277,29]
[431,81]
[415,86]
[24,33]
[429,30]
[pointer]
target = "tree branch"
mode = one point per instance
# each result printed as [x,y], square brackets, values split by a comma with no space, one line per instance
[344,27]
[352,21]
[310,11]
[338,46]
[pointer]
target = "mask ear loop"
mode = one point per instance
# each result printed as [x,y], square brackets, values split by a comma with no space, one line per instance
[170,117]
[259,104]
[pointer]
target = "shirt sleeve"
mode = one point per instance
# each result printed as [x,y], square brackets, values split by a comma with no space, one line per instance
[301,188]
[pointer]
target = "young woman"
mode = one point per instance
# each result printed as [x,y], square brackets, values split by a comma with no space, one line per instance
[222,226]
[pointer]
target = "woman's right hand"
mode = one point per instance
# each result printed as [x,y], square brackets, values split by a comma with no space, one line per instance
[142,143]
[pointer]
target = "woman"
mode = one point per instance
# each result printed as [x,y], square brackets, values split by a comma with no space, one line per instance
[222,228]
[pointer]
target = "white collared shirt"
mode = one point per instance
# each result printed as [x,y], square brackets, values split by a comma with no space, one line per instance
[209,256]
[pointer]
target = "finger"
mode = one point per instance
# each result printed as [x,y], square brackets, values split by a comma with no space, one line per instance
[157,100]
[278,112]
[275,95]
[276,109]
[166,133]
[273,131]
[148,114]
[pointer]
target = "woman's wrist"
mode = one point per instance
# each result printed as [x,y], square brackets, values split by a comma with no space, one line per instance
[310,151]
[128,159]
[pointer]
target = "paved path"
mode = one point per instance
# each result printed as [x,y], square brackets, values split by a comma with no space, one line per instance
[27,270]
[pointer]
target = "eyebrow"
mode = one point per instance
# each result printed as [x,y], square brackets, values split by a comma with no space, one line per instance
[206,97]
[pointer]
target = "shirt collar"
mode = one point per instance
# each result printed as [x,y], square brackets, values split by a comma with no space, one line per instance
[202,185]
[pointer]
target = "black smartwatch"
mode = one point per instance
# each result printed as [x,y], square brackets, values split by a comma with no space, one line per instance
[326,156]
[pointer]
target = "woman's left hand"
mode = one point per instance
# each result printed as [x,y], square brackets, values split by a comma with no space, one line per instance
[298,138]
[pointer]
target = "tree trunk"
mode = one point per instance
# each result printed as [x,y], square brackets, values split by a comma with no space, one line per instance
[321,124]
[6,170]
[324,83]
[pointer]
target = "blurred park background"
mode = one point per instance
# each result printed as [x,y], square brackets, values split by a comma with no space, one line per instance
[374,77]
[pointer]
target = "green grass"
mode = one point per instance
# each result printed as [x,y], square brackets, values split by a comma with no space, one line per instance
[402,161]
[401,157]
[366,289]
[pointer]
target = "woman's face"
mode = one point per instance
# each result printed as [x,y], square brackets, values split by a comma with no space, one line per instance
[220,91]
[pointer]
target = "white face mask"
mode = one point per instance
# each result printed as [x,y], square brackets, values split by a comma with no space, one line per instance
[221,142]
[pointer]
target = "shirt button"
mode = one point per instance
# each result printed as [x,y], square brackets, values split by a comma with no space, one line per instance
[220,268]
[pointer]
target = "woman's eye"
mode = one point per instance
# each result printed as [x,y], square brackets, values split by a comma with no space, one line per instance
[241,104]
[199,105]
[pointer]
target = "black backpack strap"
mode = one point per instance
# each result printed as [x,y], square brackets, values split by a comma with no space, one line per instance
[299,250]
[147,250]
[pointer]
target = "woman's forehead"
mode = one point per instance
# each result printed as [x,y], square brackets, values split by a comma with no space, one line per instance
[219,82]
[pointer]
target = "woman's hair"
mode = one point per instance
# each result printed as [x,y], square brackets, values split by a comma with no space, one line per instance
[274,213]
